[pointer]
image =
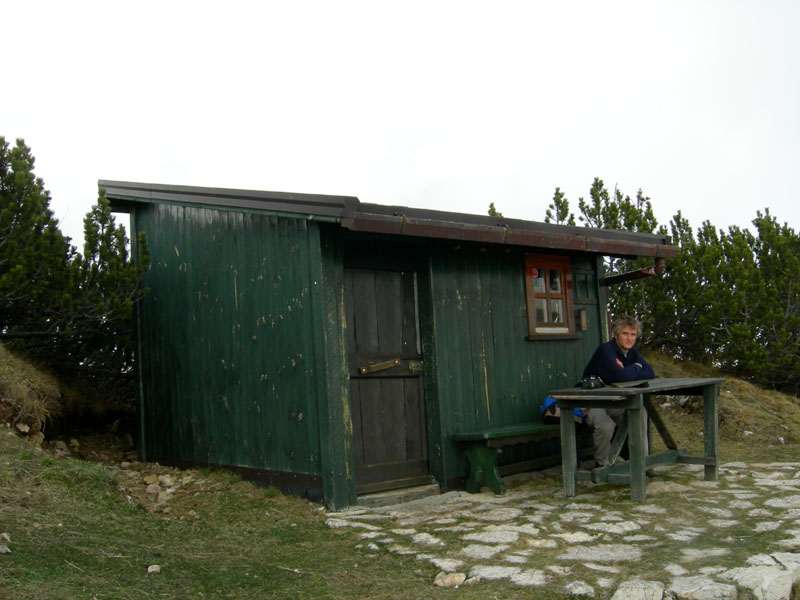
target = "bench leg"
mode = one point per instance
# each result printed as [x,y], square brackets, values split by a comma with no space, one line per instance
[483,469]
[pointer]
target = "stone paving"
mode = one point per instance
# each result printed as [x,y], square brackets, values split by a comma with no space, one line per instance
[691,540]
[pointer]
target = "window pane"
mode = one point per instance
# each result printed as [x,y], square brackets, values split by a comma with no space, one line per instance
[557,311]
[555,281]
[538,280]
[541,310]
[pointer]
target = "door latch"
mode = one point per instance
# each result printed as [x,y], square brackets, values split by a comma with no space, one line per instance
[381,366]
[415,366]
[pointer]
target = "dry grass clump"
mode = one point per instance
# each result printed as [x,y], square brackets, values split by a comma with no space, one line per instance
[28,396]
[747,413]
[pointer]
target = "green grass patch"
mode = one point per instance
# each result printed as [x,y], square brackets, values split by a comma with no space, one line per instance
[74,535]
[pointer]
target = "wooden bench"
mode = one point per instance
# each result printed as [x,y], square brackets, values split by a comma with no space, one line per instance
[482,447]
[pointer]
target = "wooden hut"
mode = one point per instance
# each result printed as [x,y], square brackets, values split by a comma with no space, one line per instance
[332,347]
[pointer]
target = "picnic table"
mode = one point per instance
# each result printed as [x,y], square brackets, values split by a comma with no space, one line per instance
[636,398]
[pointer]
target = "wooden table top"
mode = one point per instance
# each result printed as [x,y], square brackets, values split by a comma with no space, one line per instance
[659,385]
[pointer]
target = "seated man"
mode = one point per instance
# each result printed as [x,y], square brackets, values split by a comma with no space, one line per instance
[613,361]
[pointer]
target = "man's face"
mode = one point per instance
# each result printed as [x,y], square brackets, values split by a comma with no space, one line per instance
[626,338]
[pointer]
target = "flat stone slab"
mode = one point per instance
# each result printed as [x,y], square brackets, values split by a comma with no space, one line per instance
[490,572]
[603,553]
[639,589]
[784,502]
[492,537]
[766,583]
[482,551]
[447,564]
[530,577]
[701,553]
[616,528]
[701,588]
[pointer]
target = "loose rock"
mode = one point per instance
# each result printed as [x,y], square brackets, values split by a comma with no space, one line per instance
[444,579]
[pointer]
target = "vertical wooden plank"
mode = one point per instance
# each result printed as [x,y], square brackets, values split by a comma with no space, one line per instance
[602,299]
[139,391]
[274,314]
[388,305]
[410,336]
[415,433]
[350,316]
[200,350]
[438,448]
[480,313]
[506,383]
[393,421]
[358,426]
[364,311]
[459,345]
[372,430]
[444,310]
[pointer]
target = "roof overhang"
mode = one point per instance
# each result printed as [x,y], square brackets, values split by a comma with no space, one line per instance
[356,216]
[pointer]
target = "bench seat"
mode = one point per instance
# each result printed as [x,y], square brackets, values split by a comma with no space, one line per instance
[481,448]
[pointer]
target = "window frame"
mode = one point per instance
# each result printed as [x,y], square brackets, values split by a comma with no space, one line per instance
[549,263]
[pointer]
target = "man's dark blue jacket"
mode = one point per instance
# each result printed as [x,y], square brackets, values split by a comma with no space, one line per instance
[604,364]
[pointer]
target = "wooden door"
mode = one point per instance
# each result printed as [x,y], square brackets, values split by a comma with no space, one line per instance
[386,392]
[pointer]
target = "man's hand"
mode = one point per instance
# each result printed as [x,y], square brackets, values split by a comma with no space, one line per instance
[619,363]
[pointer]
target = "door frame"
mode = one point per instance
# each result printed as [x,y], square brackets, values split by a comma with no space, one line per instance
[369,254]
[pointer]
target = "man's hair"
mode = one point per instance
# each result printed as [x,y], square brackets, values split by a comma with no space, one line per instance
[625,321]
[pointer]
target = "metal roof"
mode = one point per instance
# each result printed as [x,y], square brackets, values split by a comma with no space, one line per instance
[357,216]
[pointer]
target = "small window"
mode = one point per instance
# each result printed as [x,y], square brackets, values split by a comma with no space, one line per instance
[548,284]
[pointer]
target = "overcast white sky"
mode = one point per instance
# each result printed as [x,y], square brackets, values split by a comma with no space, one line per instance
[439,104]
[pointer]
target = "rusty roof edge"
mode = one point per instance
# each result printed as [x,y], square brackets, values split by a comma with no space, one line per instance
[318,204]
[355,215]
[581,240]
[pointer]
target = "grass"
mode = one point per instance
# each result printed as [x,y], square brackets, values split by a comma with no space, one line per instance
[75,533]
[28,396]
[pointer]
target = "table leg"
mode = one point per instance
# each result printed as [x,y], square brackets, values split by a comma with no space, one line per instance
[655,418]
[637,450]
[711,430]
[569,454]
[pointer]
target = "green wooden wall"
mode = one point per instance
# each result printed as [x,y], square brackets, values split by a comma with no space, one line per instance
[242,349]
[481,369]
[228,338]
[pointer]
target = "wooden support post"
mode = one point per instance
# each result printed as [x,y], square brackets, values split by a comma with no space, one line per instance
[711,430]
